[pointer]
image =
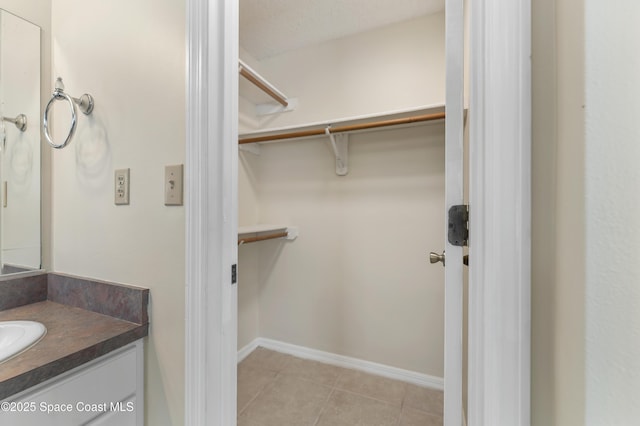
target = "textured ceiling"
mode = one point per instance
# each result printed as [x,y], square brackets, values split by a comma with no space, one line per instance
[271,27]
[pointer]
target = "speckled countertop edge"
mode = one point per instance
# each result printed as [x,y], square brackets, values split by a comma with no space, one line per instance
[75,335]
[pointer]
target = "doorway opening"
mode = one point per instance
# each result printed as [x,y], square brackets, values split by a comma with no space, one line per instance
[342,162]
[212,236]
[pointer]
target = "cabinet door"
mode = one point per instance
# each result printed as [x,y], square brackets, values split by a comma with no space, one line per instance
[125,416]
[81,395]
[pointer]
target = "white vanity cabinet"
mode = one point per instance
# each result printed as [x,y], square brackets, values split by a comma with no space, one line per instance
[107,392]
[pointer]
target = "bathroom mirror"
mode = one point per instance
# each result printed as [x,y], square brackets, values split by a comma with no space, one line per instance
[20,242]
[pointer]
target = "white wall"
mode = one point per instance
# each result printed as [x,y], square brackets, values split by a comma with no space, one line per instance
[248,214]
[362,74]
[357,281]
[558,250]
[131,57]
[543,217]
[35,11]
[612,150]
[249,254]
[586,327]
[570,270]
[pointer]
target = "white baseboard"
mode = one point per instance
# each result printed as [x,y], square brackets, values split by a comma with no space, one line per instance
[395,373]
[245,351]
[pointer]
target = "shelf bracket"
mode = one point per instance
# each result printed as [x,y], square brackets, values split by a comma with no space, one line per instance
[340,146]
[271,108]
[253,148]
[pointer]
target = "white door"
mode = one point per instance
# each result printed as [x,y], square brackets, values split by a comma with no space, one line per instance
[453,196]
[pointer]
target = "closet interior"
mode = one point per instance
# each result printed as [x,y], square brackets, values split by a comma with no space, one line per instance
[341,197]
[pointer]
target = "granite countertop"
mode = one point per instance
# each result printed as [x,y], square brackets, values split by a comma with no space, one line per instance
[75,334]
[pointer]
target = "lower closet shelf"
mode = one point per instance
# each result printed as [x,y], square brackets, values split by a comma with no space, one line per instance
[255,233]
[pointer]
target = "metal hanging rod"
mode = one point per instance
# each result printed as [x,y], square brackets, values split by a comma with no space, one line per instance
[247,72]
[263,237]
[345,128]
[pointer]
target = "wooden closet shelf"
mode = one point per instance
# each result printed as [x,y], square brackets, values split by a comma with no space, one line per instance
[252,234]
[343,128]
[245,240]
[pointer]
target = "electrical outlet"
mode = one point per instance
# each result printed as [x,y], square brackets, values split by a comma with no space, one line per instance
[122,187]
[173,185]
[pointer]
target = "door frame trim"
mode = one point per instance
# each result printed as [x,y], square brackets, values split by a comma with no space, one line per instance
[454,195]
[211,175]
[500,240]
[500,213]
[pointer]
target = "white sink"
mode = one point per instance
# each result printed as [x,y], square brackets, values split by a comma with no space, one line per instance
[18,336]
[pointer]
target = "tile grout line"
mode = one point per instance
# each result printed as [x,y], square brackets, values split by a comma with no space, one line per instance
[368,397]
[326,402]
[402,405]
[410,407]
[258,393]
[265,386]
[324,406]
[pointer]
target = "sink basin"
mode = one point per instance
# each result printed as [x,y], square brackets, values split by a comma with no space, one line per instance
[18,336]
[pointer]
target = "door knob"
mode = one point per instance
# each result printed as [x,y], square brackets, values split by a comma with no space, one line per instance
[435,257]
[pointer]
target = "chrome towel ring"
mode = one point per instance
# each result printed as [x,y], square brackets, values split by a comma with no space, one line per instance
[86,106]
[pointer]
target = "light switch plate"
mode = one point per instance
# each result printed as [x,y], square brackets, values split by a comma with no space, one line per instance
[173,185]
[121,195]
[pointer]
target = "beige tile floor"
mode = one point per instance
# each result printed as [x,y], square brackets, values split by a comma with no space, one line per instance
[275,389]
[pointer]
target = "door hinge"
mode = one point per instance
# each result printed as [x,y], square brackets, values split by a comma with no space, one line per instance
[458,234]
[234,273]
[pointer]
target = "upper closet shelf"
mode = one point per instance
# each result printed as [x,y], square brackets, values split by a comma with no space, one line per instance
[338,130]
[261,92]
[262,232]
